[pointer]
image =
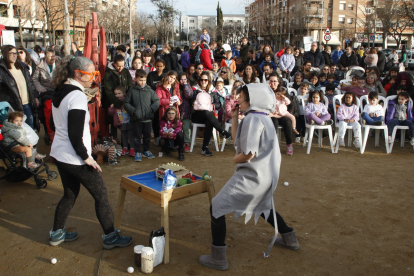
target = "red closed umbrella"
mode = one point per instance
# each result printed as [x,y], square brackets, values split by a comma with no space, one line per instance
[87,49]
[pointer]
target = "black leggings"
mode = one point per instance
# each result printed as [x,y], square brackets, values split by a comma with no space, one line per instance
[286,123]
[74,175]
[179,141]
[218,227]
[207,118]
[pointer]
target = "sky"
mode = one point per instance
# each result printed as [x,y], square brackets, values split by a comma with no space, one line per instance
[196,7]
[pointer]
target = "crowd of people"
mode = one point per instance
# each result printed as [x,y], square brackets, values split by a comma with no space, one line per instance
[160,93]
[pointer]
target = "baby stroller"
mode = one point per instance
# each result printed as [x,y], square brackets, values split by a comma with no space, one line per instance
[16,169]
[354,71]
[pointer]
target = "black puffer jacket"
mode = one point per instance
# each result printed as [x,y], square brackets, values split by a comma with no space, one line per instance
[316,58]
[9,91]
[345,61]
[381,61]
[171,62]
[327,57]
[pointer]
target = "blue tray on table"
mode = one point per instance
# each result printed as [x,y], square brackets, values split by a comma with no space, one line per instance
[149,180]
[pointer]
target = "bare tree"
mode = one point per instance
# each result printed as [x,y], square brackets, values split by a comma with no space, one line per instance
[164,18]
[53,14]
[232,32]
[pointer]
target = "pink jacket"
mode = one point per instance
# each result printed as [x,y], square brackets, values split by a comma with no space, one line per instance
[281,106]
[113,112]
[168,127]
[230,103]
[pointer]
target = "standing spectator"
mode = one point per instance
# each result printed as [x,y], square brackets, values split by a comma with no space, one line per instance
[336,55]
[251,60]
[170,58]
[347,60]
[394,57]
[185,59]
[16,86]
[186,93]
[121,50]
[75,50]
[245,48]
[142,103]
[42,77]
[314,56]
[381,59]
[298,60]
[113,50]
[24,56]
[372,58]
[205,56]
[148,62]
[327,55]
[196,75]
[404,59]
[193,52]
[361,51]
[287,62]
[115,75]
[219,52]
[166,90]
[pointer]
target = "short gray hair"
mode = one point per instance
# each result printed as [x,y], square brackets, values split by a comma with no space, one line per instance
[66,68]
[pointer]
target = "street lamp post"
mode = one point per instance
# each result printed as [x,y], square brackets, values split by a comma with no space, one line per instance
[66,36]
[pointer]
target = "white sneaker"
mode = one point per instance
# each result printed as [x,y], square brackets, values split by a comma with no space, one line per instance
[297,140]
[412,142]
[390,139]
[356,143]
[341,142]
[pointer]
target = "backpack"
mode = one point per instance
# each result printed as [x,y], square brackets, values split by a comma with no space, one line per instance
[197,58]
[203,102]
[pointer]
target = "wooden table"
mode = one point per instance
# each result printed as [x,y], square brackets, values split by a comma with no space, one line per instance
[162,198]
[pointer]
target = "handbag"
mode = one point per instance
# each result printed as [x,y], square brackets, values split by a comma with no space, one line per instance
[157,242]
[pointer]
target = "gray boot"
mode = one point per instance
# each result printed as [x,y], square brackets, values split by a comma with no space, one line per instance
[217,259]
[288,240]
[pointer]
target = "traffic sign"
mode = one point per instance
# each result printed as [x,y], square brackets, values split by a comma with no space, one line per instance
[142,38]
[348,40]
[327,31]
[327,37]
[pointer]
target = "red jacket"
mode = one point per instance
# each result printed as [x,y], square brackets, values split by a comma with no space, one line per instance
[165,96]
[205,58]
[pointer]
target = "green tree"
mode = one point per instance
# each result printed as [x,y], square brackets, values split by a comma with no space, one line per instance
[219,23]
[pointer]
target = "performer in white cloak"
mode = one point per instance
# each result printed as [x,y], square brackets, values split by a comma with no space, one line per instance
[250,190]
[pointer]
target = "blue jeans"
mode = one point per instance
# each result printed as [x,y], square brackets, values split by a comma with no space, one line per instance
[395,122]
[27,110]
[371,120]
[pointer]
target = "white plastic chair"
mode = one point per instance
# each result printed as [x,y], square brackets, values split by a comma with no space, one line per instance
[292,78]
[367,128]
[195,126]
[286,81]
[338,98]
[311,128]
[323,89]
[227,128]
[394,132]
[292,90]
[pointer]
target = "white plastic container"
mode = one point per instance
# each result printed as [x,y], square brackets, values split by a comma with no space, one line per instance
[147,260]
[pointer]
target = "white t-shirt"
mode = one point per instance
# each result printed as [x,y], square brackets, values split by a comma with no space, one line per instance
[376,109]
[62,149]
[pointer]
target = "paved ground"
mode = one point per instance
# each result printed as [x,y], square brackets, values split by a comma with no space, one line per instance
[353,215]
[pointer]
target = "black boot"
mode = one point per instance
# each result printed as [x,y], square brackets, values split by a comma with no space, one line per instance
[167,151]
[181,155]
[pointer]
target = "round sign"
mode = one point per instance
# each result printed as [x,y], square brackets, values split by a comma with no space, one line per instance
[327,37]
[142,38]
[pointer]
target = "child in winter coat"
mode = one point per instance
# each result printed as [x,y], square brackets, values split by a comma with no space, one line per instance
[229,62]
[281,108]
[122,120]
[221,90]
[373,113]
[171,133]
[12,131]
[231,101]
[322,80]
[297,81]
[268,59]
[348,115]
[315,111]
[287,62]
[400,113]
[136,64]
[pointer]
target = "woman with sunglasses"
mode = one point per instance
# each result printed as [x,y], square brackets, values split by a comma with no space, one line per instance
[72,151]
[205,116]
[24,56]
[227,75]
[16,86]
[199,68]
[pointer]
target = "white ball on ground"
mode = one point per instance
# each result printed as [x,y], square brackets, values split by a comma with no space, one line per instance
[130,269]
[286,183]
[53,261]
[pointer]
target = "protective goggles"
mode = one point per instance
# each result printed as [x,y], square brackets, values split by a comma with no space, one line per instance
[93,76]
